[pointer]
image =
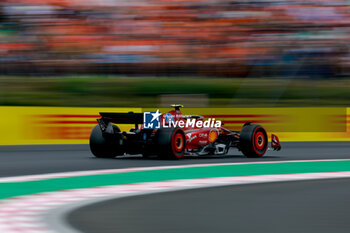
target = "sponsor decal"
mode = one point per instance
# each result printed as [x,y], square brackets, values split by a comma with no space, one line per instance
[191,138]
[168,118]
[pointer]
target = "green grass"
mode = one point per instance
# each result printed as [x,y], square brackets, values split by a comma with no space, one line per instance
[117,91]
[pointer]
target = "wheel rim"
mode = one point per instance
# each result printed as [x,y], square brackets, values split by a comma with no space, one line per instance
[178,143]
[259,140]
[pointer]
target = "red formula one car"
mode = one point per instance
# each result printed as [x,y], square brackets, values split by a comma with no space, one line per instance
[175,136]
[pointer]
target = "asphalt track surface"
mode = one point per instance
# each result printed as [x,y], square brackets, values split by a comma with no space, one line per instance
[42,159]
[303,206]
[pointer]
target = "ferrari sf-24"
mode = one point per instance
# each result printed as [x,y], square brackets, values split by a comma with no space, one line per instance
[173,142]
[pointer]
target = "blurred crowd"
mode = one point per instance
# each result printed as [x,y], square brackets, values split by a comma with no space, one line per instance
[206,37]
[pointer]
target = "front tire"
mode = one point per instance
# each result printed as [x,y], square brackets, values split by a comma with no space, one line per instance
[253,141]
[105,146]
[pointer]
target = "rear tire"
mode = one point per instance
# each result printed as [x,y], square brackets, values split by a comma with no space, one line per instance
[171,143]
[253,141]
[107,146]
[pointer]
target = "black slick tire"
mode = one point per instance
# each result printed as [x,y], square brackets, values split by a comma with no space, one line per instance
[253,141]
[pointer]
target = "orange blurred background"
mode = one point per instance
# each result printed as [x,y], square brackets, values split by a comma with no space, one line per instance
[243,38]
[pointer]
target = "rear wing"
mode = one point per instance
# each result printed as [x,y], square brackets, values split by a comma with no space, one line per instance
[122,118]
[107,118]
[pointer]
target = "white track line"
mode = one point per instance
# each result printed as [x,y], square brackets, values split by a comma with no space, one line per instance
[29,214]
[124,170]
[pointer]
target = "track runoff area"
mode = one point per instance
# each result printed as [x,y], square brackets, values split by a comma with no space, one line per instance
[65,189]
